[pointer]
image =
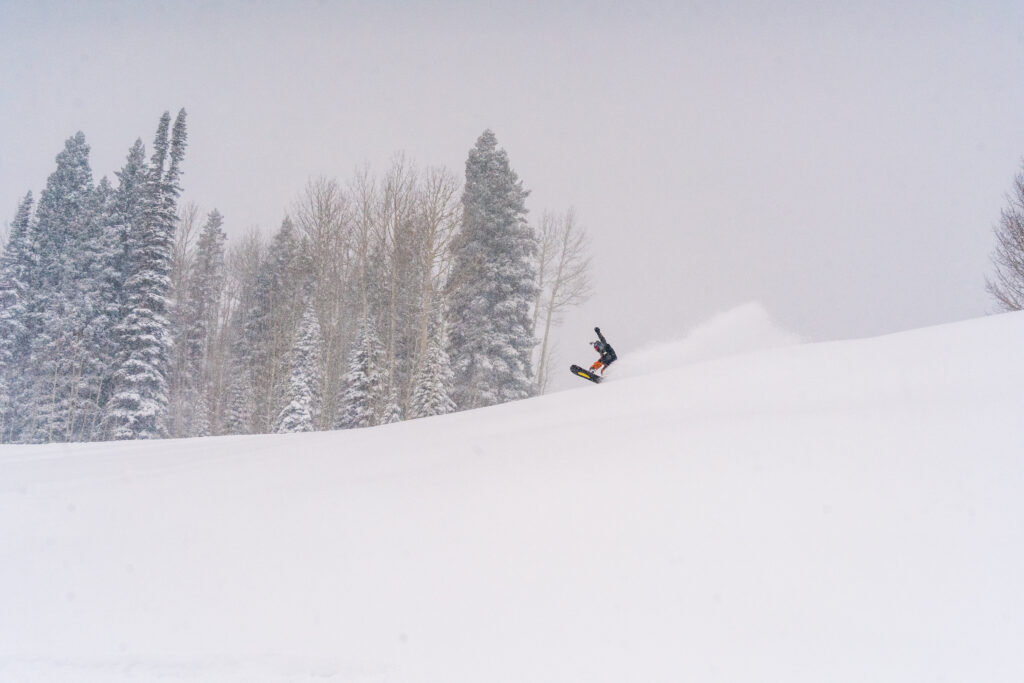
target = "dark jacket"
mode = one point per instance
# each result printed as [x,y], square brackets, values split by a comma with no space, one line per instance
[605,349]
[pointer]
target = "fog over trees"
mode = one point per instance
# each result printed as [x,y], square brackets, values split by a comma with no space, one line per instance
[126,313]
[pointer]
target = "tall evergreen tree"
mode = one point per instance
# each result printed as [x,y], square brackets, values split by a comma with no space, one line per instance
[61,368]
[210,283]
[494,283]
[95,250]
[361,404]
[16,271]
[206,285]
[238,417]
[139,403]
[269,325]
[304,398]
[127,214]
[201,417]
[196,319]
[125,218]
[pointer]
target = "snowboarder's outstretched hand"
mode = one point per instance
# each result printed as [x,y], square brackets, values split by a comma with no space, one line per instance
[597,329]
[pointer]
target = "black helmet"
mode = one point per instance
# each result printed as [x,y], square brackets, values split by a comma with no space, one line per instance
[597,346]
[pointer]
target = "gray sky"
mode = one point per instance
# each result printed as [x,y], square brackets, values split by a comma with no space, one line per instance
[840,162]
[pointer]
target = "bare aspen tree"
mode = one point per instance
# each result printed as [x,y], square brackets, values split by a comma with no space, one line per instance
[179,403]
[209,350]
[355,300]
[220,353]
[397,245]
[547,244]
[1007,284]
[280,292]
[439,213]
[244,260]
[324,218]
[364,217]
[564,275]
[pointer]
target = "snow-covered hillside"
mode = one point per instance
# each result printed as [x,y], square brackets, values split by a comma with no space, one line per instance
[849,511]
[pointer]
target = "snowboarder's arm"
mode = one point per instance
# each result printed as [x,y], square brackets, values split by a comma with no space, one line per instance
[600,336]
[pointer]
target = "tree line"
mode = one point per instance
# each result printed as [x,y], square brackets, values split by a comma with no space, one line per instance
[125,314]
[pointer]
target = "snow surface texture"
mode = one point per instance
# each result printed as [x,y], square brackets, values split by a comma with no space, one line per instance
[849,511]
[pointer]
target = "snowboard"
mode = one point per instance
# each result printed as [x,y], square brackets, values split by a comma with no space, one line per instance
[585,374]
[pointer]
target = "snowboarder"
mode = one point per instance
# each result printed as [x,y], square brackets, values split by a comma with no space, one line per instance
[605,349]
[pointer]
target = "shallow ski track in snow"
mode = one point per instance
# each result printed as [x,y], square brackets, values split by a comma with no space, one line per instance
[848,511]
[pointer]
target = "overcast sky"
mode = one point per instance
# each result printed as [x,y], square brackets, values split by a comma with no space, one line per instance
[841,162]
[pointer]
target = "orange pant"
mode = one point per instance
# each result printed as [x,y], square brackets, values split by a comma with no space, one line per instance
[598,365]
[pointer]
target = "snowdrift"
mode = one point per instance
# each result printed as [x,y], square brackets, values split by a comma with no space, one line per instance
[849,511]
[744,329]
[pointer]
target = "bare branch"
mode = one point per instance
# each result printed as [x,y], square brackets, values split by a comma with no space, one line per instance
[1007,284]
[564,267]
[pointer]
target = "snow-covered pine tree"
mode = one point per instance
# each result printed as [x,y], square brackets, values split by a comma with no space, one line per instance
[244,264]
[16,271]
[201,417]
[139,403]
[126,212]
[206,284]
[61,368]
[124,218]
[360,406]
[208,274]
[494,282]
[96,251]
[432,388]
[303,408]
[238,408]
[268,326]
[391,411]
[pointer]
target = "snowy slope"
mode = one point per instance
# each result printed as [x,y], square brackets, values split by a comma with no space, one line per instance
[848,511]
